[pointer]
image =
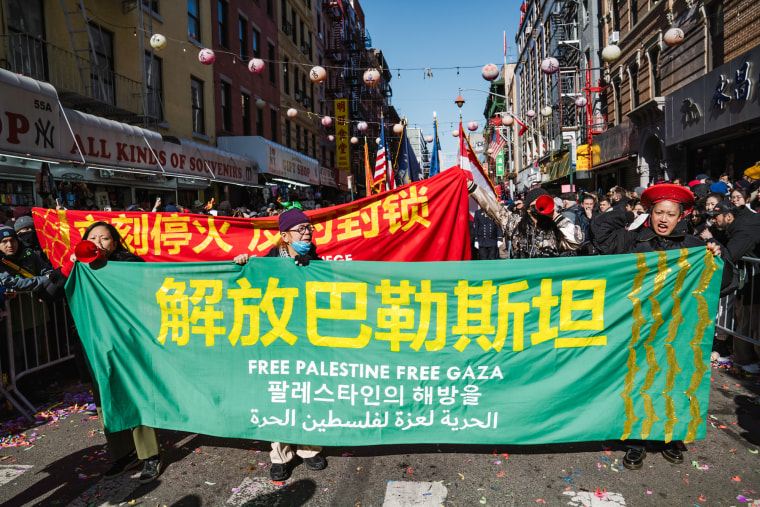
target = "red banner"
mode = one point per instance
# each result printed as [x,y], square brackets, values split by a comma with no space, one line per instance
[423,221]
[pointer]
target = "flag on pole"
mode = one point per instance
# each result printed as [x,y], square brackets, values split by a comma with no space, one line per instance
[367,170]
[406,160]
[381,164]
[435,158]
[523,127]
[497,143]
[469,163]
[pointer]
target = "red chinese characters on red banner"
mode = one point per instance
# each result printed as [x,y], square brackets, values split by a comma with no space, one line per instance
[422,221]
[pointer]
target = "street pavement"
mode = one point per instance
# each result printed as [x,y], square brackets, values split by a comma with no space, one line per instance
[63,462]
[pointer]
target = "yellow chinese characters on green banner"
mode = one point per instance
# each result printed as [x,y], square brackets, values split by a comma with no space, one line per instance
[365,353]
[342,144]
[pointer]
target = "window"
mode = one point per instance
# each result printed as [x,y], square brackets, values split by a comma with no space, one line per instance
[633,74]
[285,80]
[256,43]
[293,34]
[303,38]
[284,14]
[655,82]
[314,146]
[305,142]
[717,50]
[223,28]
[259,122]
[27,53]
[151,5]
[270,9]
[155,85]
[194,19]
[226,107]
[309,47]
[296,90]
[245,103]
[101,65]
[272,64]
[298,138]
[616,92]
[243,38]
[273,124]
[287,133]
[632,8]
[196,91]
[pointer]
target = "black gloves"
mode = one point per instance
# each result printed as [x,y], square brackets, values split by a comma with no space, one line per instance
[302,260]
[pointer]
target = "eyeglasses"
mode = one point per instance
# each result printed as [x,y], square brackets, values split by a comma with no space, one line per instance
[303,229]
[736,197]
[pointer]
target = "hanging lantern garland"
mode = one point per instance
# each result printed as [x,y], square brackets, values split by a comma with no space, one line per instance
[472,126]
[317,74]
[490,72]
[549,65]
[158,42]
[206,56]
[256,65]
[326,121]
[673,37]
[371,77]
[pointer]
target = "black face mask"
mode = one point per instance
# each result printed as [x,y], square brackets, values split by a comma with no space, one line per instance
[28,239]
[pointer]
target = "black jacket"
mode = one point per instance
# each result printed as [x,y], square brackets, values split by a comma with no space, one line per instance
[275,252]
[743,234]
[487,233]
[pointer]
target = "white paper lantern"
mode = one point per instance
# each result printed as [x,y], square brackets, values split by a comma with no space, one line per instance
[531,113]
[362,126]
[354,140]
[256,65]
[490,72]
[260,103]
[546,111]
[398,128]
[331,138]
[377,141]
[326,121]
[157,41]
[581,102]
[673,37]
[429,139]
[292,112]
[611,53]
[507,120]
[371,77]
[206,56]
[455,133]
[549,65]
[317,74]
[472,126]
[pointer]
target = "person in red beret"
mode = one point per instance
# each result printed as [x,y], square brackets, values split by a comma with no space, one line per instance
[295,242]
[663,230]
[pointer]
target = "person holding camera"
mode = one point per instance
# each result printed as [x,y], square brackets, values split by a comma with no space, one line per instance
[538,230]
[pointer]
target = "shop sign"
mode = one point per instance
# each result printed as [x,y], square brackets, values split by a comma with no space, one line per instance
[500,163]
[29,117]
[342,146]
[274,159]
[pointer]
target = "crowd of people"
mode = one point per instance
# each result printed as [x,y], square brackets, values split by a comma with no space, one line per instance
[717,214]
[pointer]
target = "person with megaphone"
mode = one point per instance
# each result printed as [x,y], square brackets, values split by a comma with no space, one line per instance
[102,243]
[538,230]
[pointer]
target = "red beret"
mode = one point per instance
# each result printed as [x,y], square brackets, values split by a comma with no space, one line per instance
[667,192]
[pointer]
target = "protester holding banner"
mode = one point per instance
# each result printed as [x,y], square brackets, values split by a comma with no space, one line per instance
[664,230]
[295,242]
[533,233]
[127,447]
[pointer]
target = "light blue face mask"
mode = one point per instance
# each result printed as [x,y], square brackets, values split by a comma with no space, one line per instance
[302,247]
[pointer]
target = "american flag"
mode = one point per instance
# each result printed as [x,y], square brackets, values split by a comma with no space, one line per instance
[381,163]
[497,143]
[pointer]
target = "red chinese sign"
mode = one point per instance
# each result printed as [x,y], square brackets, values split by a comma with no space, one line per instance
[423,221]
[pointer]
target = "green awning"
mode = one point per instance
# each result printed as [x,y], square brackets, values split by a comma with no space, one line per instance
[561,167]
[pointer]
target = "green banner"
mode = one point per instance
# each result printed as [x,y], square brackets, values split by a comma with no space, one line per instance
[500,163]
[364,353]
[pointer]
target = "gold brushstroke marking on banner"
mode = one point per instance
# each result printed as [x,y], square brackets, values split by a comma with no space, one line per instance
[699,364]
[670,413]
[659,283]
[675,322]
[638,321]
[651,418]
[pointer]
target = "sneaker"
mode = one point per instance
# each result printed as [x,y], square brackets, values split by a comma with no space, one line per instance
[122,465]
[281,471]
[750,368]
[152,468]
[634,458]
[317,462]
[673,453]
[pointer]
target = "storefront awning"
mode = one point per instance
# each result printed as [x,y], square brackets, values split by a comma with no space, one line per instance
[274,160]
[560,167]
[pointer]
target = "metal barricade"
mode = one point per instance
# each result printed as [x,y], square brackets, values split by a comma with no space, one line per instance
[38,335]
[739,313]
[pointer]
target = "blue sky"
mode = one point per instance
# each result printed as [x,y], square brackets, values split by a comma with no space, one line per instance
[415,34]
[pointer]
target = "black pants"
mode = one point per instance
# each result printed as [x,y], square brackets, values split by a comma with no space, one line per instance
[488,252]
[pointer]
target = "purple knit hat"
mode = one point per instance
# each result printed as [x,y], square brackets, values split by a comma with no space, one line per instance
[291,218]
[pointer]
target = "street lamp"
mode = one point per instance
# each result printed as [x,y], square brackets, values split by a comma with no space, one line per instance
[459,101]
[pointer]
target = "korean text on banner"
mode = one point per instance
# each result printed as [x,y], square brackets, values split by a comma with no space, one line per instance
[363,353]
